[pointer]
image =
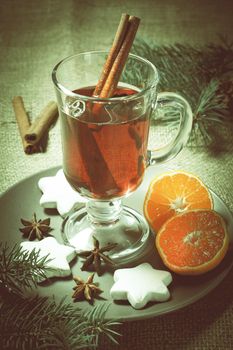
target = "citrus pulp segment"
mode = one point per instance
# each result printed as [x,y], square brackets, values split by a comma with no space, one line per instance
[173,193]
[193,242]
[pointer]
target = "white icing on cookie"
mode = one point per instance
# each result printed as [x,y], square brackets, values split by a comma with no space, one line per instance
[59,254]
[140,285]
[57,193]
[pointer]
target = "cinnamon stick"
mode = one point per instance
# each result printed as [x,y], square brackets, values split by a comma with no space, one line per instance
[43,122]
[23,124]
[121,53]
[105,88]
[119,37]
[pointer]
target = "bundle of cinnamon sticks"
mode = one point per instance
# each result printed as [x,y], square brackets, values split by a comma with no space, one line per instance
[33,134]
[105,88]
[117,56]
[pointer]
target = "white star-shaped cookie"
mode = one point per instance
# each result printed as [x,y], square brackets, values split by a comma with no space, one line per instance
[57,193]
[59,254]
[140,285]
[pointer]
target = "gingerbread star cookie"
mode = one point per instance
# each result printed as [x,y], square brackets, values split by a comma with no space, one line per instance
[59,256]
[57,193]
[140,285]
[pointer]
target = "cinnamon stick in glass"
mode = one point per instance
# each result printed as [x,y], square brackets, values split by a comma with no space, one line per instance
[117,57]
[119,37]
[105,88]
[23,124]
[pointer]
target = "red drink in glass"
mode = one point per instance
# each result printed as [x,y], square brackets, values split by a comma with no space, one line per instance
[105,159]
[105,151]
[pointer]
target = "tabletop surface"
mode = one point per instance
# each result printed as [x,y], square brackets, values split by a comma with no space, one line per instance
[34,36]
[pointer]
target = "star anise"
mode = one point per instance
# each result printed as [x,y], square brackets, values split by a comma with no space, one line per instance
[85,290]
[97,255]
[35,228]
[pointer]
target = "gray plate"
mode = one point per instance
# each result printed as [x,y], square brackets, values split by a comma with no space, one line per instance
[21,200]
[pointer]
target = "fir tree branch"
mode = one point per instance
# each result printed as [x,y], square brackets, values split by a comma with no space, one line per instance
[203,75]
[99,325]
[217,60]
[35,322]
[20,270]
[42,323]
[211,103]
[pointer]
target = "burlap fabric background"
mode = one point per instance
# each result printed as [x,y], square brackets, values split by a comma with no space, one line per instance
[34,36]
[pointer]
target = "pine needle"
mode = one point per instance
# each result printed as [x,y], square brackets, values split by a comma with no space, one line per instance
[203,75]
[43,323]
[99,325]
[28,324]
[20,270]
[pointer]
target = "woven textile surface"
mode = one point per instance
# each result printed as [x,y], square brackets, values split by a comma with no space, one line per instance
[34,36]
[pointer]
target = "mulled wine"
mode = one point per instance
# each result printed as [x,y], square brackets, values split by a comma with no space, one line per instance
[105,147]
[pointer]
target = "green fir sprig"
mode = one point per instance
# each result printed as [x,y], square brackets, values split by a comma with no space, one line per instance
[203,75]
[39,323]
[42,323]
[20,270]
[100,326]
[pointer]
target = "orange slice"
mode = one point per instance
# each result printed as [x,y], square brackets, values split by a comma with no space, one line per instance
[173,193]
[193,242]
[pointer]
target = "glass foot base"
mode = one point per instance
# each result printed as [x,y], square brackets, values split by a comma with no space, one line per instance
[130,231]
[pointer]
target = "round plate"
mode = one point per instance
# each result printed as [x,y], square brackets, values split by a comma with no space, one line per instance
[22,200]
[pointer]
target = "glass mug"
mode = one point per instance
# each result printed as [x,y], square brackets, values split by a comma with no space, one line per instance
[105,148]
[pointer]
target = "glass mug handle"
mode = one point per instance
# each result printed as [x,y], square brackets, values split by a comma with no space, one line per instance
[166,100]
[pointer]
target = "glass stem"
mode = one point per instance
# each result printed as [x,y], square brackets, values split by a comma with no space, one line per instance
[104,212]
